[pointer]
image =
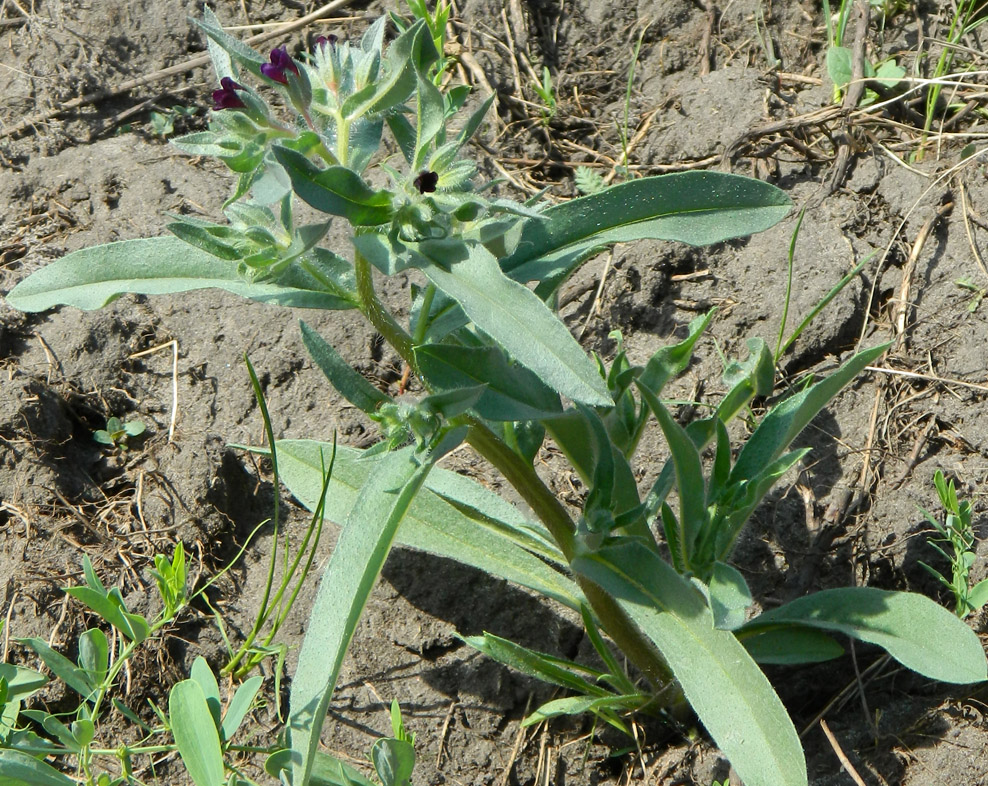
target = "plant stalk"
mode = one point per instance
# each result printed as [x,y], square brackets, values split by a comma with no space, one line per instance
[523,477]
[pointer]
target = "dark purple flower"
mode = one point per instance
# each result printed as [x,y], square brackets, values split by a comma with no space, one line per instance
[426,181]
[226,97]
[281,61]
[330,41]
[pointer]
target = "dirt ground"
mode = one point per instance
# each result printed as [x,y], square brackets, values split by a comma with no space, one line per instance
[737,86]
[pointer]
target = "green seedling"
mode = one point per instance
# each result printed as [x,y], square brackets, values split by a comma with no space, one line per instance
[393,759]
[977,293]
[118,434]
[967,16]
[547,93]
[624,129]
[163,122]
[840,59]
[199,724]
[277,600]
[588,181]
[492,366]
[782,346]
[955,542]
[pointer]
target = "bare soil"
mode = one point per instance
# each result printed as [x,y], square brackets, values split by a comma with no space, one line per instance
[704,95]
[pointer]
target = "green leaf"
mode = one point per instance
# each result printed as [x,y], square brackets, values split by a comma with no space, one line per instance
[840,65]
[110,607]
[512,391]
[916,631]
[604,706]
[78,679]
[978,596]
[94,654]
[491,540]
[698,208]
[326,770]
[520,322]
[360,552]
[730,694]
[791,646]
[21,681]
[410,53]
[394,761]
[729,596]
[93,277]
[201,673]
[239,706]
[17,768]
[336,190]
[689,477]
[341,375]
[547,668]
[783,424]
[195,733]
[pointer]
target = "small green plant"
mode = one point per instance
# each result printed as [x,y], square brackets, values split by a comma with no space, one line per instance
[955,542]
[840,58]
[588,181]
[492,366]
[118,434]
[547,93]
[163,122]
[393,759]
[194,724]
[275,603]
[977,293]
[967,16]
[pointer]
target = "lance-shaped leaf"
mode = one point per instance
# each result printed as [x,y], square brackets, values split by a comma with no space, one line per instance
[346,584]
[782,425]
[790,645]
[512,392]
[452,517]
[336,190]
[723,684]
[93,277]
[520,322]
[919,633]
[698,208]
[341,375]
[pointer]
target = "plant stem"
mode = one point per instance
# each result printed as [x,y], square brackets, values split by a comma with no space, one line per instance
[377,314]
[525,480]
[551,512]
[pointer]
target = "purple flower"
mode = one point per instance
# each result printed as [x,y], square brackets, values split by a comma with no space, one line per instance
[226,97]
[426,181]
[281,61]
[323,41]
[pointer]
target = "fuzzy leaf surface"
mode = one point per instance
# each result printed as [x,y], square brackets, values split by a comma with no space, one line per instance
[518,320]
[918,632]
[93,277]
[698,208]
[723,684]
[477,532]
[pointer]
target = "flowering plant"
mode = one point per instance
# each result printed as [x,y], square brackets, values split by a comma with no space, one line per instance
[494,367]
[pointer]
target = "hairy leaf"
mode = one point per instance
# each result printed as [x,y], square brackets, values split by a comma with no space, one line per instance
[93,277]
[722,683]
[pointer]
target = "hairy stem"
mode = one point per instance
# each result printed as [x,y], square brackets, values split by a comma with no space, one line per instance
[377,314]
[522,476]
